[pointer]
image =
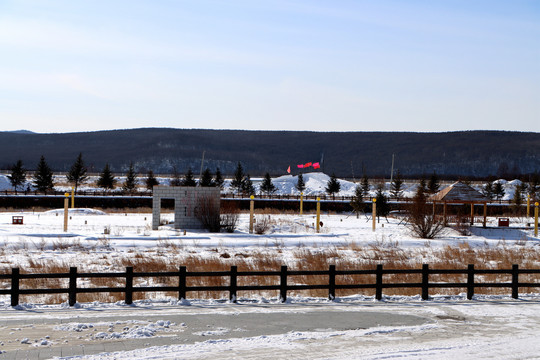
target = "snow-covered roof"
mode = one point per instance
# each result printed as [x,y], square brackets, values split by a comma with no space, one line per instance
[459,192]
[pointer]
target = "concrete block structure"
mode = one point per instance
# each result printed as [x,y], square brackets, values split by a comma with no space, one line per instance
[186,201]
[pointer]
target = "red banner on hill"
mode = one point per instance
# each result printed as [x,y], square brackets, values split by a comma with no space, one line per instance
[309,164]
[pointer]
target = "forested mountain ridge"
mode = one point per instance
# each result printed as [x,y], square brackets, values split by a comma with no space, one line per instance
[347,154]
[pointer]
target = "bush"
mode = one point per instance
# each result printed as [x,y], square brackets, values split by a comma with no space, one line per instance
[421,220]
[208,214]
[462,226]
[262,225]
[229,218]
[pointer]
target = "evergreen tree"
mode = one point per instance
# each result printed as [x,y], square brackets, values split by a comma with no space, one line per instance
[267,186]
[237,183]
[487,190]
[151,180]
[189,180]
[357,202]
[247,186]
[206,179]
[77,173]
[433,184]
[130,185]
[523,187]
[300,184]
[397,186]
[517,200]
[175,181]
[18,175]
[43,177]
[534,187]
[498,190]
[218,179]
[333,186]
[365,185]
[422,186]
[383,208]
[106,179]
[420,193]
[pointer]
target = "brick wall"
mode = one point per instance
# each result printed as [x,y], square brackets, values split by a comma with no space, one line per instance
[185,203]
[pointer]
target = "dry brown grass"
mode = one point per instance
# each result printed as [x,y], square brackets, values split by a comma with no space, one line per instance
[271,211]
[168,256]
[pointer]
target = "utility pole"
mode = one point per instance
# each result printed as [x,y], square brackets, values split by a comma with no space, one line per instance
[202,162]
[392,171]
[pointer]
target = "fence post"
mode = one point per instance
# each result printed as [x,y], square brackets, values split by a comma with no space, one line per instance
[332,282]
[515,281]
[470,281]
[425,281]
[378,282]
[72,286]
[129,285]
[232,289]
[182,283]
[15,286]
[283,284]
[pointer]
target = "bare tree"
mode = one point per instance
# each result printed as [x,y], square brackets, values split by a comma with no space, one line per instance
[421,220]
[207,212]
[229,217]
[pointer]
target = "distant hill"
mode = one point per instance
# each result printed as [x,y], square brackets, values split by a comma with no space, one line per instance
[347,154]
[21,132]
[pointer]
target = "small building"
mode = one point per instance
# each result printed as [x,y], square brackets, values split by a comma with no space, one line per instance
[460,193]
[187,201]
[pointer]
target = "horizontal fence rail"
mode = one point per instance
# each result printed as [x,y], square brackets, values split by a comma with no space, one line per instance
[289,197]
[97,193]
[283,286]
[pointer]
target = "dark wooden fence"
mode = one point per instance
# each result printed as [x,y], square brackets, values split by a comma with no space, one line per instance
[285,197]
[283,286]
[79,193]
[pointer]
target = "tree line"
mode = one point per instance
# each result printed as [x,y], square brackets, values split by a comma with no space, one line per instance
[43,180]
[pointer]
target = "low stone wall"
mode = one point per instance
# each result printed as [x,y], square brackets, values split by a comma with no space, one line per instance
[186,199]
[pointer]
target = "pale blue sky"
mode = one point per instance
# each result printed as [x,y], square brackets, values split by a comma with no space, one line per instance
[278,65]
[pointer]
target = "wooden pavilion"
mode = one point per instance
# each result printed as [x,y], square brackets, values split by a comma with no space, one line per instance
[460,193]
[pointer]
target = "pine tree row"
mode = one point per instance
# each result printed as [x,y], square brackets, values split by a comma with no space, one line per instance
[43,181]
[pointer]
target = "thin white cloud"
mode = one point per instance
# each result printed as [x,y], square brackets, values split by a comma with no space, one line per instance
[106,43]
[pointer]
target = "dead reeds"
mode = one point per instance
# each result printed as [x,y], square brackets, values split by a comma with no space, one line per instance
[169,256]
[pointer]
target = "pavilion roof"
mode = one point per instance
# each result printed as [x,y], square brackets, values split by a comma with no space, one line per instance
[459,192]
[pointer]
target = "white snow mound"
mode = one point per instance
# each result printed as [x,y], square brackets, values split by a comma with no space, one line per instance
[77,211]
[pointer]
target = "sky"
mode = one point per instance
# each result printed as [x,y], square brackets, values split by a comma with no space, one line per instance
[70,66]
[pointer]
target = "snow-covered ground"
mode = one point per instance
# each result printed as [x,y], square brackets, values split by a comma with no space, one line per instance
[444,328]
[114,234]
[488,329]
[99,241]
[456,326]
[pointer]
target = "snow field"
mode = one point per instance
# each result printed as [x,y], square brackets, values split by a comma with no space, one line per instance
[456,327]
[491,327]
[74,334]
[40,245]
